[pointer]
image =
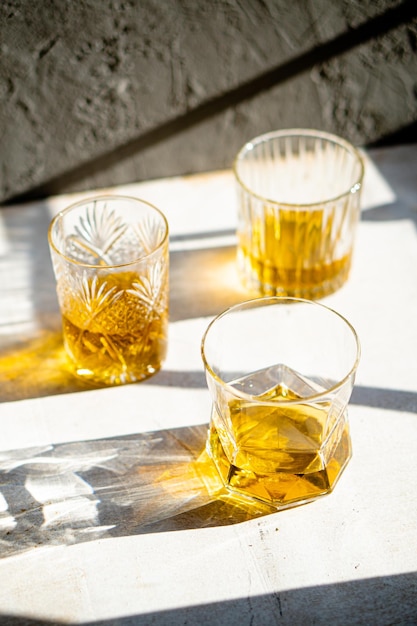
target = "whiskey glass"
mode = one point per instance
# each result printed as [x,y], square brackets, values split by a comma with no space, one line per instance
[111,263]
[280,372]
[298,208]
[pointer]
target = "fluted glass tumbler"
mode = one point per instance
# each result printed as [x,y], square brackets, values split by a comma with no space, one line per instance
[280,372]
[298,208]
[111,262]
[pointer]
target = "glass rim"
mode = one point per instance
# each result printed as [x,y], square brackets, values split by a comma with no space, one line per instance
[300,132]
[97,198]
[278,300]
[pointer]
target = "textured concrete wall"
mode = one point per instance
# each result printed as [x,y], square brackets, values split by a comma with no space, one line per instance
[98,92]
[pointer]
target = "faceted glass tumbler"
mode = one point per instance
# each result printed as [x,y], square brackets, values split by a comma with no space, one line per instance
[280,372]
[111,263]
[298,208]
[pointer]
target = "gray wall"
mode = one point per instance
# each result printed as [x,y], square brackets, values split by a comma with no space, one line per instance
[99,92]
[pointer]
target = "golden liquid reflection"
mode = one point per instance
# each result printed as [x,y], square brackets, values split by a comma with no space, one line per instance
[204,282]
[37,367]
[69,493]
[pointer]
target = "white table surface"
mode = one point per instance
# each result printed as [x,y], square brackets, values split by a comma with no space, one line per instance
[105,515]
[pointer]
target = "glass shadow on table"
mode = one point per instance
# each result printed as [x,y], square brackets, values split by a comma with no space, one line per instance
[148,482]
[153,482]
[32,357]
[74,492]
[203,280]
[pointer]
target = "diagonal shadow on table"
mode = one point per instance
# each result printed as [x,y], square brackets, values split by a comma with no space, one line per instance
[399,174]
[68,493]
[204,282]
[390,213]
[38,367]
[382,600]
[376,397]
[80,491]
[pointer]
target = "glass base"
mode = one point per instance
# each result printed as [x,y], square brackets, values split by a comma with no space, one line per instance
[105,369]
[110,376]
[284,489]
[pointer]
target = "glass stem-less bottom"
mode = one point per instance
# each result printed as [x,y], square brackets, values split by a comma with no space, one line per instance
[284,489]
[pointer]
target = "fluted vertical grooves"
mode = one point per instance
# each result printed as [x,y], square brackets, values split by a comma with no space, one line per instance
[299,194]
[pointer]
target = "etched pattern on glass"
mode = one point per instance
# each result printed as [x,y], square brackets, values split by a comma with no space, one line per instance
[150,287]
[114,293]
[96,234]
[102,237]
[94,296]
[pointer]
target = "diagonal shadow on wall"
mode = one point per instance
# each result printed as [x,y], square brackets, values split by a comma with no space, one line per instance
[375,27]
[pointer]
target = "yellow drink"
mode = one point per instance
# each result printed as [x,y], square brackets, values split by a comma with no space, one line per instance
[110,332]
[298,207]
[295,252]
[279,454]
